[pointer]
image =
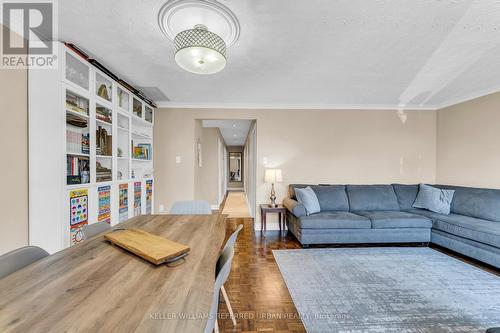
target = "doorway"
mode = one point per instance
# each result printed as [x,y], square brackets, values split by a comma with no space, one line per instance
[235,174]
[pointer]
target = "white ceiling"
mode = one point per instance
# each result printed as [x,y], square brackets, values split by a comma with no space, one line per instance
[234,132]
[314,53]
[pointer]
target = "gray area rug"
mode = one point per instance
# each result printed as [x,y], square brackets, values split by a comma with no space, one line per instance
[389,290]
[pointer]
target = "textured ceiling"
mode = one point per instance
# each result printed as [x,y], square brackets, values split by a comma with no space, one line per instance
[234,132]
[314,53]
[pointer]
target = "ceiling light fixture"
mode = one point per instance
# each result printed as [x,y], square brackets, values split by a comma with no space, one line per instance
[200,51]
[201,30]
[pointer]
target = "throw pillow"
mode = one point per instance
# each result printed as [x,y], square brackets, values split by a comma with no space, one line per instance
[308,198]
[434,199]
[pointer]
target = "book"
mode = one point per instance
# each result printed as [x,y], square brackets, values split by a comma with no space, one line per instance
[141,151]
[103,114]
[77,104]
[77,170]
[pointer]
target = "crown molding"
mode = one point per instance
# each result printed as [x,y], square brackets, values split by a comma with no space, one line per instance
[469,97]
[253,106]
[365,107]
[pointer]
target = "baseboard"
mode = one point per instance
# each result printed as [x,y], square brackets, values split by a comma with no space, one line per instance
[270,226]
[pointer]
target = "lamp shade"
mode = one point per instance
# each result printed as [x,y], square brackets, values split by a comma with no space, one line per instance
[273,176]
[200,51]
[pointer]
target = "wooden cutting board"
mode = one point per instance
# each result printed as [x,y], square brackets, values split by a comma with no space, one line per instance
[154,249]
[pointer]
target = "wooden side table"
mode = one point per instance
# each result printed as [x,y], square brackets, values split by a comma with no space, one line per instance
[280,210]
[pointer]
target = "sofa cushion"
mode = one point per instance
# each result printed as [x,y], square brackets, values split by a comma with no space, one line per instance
[481,203]
[483,231]
[406,195]
[382,219]
[372,197]
[292,187]
[332,197]
[434,199]
[308,198]
[479,230]
[334,220]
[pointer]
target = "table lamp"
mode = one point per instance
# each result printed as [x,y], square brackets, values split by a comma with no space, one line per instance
[273,176]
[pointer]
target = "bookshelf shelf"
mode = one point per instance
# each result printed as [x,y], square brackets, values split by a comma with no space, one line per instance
[141,121]
[91,149]
[76,113]
[140,135]
[77,154]
[102,122]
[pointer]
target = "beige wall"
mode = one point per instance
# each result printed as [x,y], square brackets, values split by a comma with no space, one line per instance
[311,146]
[469,143]
[206,185]
[14,165]
[249,165]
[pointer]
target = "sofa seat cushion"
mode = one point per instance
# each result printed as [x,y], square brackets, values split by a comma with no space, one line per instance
[483,231]
[372,197]
[334,220]
[395,219]
[424,212]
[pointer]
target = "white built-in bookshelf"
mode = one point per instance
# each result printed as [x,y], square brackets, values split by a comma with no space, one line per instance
[90,151]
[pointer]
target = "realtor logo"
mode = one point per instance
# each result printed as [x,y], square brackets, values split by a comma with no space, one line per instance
[28,34]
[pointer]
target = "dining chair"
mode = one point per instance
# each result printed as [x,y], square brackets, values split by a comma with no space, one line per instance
[191,207]
[229,244]
[225,259]
[19,258]
[232,239]
[90,230]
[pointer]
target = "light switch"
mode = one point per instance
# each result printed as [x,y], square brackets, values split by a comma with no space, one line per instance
[177,159]
[161,208]
[264,160]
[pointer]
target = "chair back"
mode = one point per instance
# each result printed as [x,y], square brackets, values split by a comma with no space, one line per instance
[191,207]
[229,243]
[19,258]
[226,259]
[232,239]
[90,230]
[222,270]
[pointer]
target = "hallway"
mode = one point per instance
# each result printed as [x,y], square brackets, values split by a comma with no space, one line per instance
[236,205]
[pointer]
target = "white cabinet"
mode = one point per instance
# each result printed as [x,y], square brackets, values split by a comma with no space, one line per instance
[90,142]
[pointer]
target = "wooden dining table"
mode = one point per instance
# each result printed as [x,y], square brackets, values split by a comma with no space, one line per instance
[98,287]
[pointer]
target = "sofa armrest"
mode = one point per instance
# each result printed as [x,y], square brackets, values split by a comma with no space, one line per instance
[295,207]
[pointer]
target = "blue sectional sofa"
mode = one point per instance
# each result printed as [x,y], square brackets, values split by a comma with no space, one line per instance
[384,214]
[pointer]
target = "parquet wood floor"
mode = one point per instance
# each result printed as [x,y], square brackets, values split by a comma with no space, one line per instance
[256,289]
